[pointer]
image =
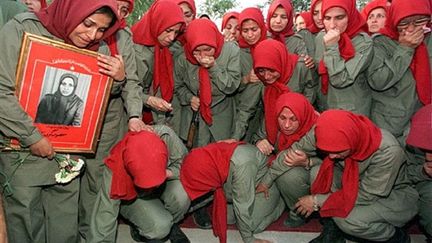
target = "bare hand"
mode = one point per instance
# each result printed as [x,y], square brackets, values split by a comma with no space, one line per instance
[427,167]
[195,103]
[159,104]
[169,173]
[262,188]
[265,147]
[136,125]
[304,206]
[411,39]
[295,158]
[262,241]
[43,148]
[251,78]
[228,36]
[207,61]
[309,62]
[332,37]
[112,66]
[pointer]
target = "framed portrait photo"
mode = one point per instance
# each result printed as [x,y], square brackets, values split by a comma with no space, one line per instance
[60,87]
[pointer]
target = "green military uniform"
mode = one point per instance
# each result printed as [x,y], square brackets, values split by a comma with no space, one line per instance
[296,45]
[225,79]
[248,101]
[154,214]
[385,198]
[394,93]
[8,9]
[113,129]
[348,88]
[293,182]
[423,184]
[40,210]
[309,41]
[145,66]
[253,212]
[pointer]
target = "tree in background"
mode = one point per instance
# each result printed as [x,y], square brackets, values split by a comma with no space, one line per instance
[217,8]
[140,7]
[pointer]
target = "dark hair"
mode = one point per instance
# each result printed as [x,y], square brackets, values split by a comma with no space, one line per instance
[107,11]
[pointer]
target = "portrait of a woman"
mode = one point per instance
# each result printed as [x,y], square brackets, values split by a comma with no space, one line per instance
[63,107]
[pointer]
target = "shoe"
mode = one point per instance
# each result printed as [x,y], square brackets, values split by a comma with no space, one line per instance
[330,233]
[139,238]
[176,235]
[202,219]
[400,236]
[294,222]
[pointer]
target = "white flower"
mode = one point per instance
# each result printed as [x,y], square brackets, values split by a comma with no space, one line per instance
[79,164]
[64,176]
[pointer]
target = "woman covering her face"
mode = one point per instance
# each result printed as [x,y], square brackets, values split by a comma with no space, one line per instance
[45,207]
[400,74]
[345,53]
[205,79]
[62,107]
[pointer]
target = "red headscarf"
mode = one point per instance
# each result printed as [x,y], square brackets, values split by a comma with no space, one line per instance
[272,54]
[307,17]
[191,4]
[227,17]
[112,40]
[203,32]
[181,38]
[162,15]
[356,24]
[419,66]
[288,30]
[206,169]
[254,14]
[60,18]
[420,134]
[43,4]
[139,159]
[312,27]
[372,5]
[336,131]
[304,112]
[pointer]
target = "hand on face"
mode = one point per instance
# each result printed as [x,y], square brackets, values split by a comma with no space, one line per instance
[205,61]
[112,66]
[332,37]
[411,38]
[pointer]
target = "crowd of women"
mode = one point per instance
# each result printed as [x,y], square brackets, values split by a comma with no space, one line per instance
[325,113]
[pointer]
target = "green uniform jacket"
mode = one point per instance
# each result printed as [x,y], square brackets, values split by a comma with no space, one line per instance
[8,9]
[382,182]
[225,79]
[394,94]
[145,64]
[309,40]
[247,98]
[296,45]
[348,88]
[103,227]
[278,167]
[415,162]
[14,122]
